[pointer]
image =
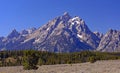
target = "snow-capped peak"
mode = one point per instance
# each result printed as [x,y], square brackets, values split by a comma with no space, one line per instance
[80,36]
[76,18]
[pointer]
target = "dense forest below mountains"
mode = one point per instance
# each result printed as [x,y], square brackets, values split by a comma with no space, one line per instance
[18,58]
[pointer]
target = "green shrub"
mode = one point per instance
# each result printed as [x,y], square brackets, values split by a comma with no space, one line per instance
[30,60]
[92,59]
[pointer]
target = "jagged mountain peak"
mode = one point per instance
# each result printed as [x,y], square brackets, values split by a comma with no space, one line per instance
[62,34]
[110,41]
[28,31]
[13,34]
[76,18]
[100,35]
[66,20]
[77,21]
[65,29]
[66,14]
[14,31]
[24,32]
[110,31]
[65,17]
[79,24]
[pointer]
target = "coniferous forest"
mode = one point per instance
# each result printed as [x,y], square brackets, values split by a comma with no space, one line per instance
[30,59]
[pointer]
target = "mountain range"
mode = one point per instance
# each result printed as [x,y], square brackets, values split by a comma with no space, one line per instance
[62,34]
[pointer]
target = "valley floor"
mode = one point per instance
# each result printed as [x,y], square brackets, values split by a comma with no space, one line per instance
[111,66]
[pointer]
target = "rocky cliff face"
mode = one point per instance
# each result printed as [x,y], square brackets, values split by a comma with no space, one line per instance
[110,42]
[62,34]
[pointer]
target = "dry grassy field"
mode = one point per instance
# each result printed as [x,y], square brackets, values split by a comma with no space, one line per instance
[111,66]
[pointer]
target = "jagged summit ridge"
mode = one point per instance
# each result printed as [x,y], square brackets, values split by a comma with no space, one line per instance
[62,34]
[66,13]
[110,41]
[13,34]
[61,29]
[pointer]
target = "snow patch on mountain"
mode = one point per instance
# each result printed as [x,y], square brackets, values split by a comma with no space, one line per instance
[75,18]
[48,29]
[80,36]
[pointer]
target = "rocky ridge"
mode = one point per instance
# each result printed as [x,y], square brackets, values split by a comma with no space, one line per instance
[62,34]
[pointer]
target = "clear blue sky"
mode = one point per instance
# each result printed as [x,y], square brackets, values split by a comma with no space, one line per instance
[99,15]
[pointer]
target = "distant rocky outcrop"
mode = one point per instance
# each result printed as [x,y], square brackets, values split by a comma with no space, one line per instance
[110,42]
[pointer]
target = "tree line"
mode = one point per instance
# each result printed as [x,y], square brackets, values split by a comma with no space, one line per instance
[29,59]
